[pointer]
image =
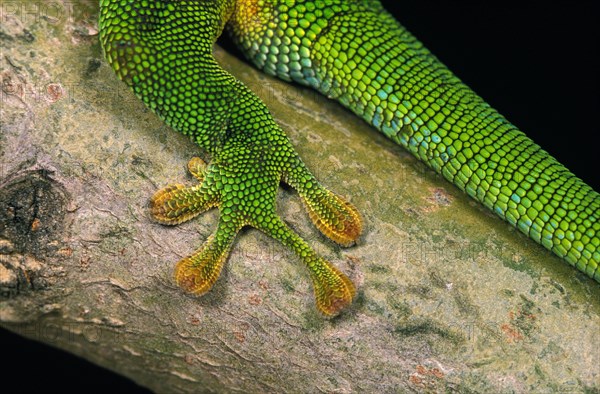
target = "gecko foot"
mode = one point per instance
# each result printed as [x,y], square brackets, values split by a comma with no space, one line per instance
[252,203]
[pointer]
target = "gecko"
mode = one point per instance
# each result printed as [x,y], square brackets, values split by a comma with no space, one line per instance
[354,52]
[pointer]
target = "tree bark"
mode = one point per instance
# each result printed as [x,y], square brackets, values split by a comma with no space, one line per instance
[449,297]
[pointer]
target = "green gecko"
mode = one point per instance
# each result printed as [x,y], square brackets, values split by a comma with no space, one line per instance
[351,51]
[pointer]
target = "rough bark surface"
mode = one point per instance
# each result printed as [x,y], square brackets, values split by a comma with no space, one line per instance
[450,298]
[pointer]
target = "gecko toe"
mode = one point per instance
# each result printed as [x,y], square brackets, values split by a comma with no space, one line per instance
[198,272]
[197,167]
[334,216]
[177,203]
[334,291]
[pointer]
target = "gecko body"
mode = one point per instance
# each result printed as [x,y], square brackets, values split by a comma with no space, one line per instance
[358,54]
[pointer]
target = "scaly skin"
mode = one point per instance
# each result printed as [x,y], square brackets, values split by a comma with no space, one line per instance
[358,54]
[352,51]
[163,51]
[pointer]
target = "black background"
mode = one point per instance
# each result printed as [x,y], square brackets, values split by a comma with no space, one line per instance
[535,62]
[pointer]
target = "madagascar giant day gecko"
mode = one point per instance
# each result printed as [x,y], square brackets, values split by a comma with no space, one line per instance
[351,51]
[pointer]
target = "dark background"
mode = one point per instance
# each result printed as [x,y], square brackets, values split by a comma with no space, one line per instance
[535,62]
